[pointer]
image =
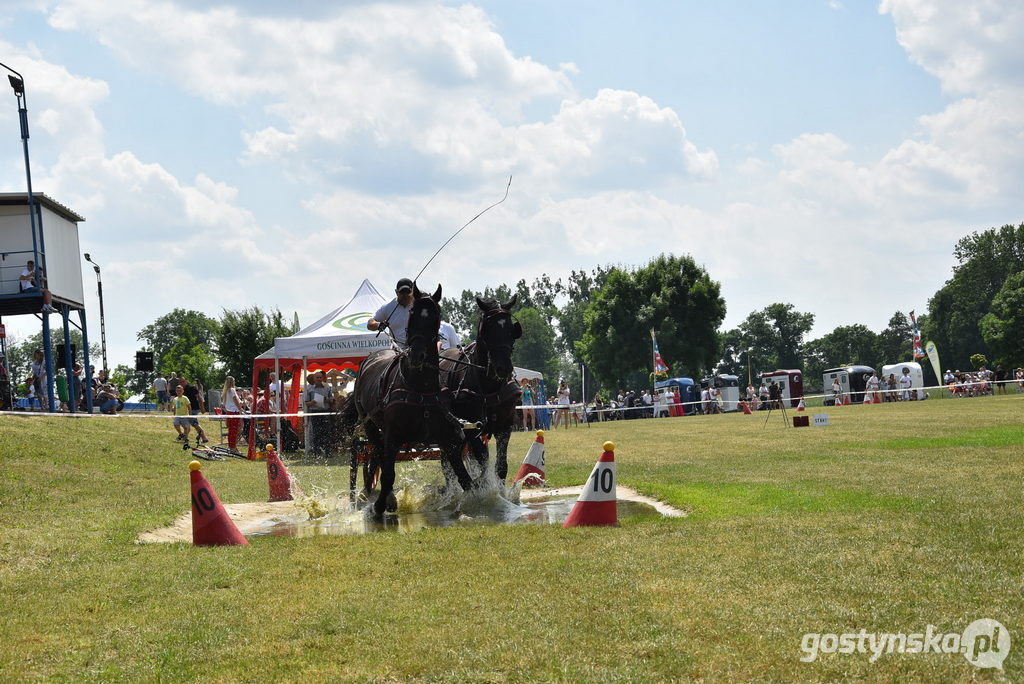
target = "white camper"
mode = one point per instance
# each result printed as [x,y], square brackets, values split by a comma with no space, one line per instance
[916,375]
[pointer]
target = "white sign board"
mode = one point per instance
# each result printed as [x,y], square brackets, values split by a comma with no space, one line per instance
[820,419]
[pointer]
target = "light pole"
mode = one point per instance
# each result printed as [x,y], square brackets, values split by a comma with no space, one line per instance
[103,325]
[38,247]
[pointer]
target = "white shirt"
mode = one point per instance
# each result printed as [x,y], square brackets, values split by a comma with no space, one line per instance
[905,382]
[397,318]
[449,338]
[25,284]
[231,401]
[873,383]
[563,396]
[160,385]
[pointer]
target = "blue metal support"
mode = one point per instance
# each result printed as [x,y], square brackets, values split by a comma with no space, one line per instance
[87,387]
[69,358]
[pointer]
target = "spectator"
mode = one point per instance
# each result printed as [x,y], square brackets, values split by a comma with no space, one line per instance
[318,401]
[160,387]
[892,385]
[648,403]
[837,393]
[182,409]
[233,405]
[195,399]
[873,384]
[1001,379]
[762,396]
[529,418]
[563,404]
[905,383]
[77,375]
[37,379]
[32,280]
[108,399]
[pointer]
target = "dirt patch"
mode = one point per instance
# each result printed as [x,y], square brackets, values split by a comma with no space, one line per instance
[257,516]
[247,516]
[621,492]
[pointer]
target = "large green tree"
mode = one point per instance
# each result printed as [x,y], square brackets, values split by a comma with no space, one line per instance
[166,332]
[896,343]
[846,345]
[1003,326]
[672,295]
[243,335]
[766,340]
[985,261]
[464,313]
[580,290]
[536,348]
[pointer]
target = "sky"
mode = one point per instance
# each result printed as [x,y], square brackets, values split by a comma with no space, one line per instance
[823,153]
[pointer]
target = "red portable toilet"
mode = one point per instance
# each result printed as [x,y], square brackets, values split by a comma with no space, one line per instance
[791,381]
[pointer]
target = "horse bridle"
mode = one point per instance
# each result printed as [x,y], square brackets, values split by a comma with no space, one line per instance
[517,332]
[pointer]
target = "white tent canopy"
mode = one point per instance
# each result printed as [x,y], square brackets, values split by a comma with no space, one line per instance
[340,334]
[521,373]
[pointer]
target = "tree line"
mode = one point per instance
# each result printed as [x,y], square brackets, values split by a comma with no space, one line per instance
[599,322]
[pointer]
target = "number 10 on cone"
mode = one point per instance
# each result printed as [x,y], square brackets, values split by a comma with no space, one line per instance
[597,504]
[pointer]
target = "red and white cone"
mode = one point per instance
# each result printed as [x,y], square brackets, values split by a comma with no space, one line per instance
[531,473]
[277,477]
[867,398]
[597,504]
[211,524]
[846,400]
[800,406]
[746,408]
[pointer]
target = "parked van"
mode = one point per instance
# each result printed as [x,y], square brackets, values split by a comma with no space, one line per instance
[687,392]
[916,375]
[791,382]
[728,388]
[852,379]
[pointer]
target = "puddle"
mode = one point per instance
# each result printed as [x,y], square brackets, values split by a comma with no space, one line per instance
[424,500]
[540,511]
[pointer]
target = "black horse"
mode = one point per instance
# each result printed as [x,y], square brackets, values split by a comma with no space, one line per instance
[480,379]
[398,400]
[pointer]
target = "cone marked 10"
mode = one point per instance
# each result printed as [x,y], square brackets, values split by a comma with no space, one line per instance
[211,524]
[597,504]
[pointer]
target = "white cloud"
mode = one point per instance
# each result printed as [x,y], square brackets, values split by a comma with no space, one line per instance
[409,95]
[973,46]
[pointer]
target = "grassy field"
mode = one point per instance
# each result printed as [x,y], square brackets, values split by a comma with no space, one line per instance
[891,518]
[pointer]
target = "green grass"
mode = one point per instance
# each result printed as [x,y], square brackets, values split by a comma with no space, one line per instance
[889,519]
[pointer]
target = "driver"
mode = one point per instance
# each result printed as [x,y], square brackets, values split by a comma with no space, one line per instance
[395,314]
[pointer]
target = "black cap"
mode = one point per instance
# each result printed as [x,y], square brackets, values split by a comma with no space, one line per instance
[404,285]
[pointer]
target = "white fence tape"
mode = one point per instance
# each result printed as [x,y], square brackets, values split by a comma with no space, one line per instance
[987,388]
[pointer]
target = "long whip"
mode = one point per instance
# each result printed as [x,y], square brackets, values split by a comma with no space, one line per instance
[454,235]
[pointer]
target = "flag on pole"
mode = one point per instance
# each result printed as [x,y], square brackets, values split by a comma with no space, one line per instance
[918,349]
[659,363]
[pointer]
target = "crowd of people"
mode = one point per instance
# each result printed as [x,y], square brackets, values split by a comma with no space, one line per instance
[983,381]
